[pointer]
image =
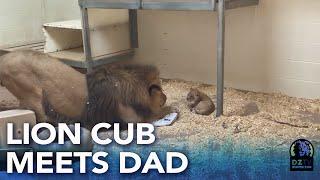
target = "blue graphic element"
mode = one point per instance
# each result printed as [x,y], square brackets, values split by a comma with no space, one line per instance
[210,161]
[304,149]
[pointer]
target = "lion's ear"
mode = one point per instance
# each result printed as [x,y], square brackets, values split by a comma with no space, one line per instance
[154,88]
[100,76]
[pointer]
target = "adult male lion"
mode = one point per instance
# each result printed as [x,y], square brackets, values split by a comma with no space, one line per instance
[58,93]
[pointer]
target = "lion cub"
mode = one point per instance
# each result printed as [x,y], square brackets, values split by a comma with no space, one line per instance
[200,103]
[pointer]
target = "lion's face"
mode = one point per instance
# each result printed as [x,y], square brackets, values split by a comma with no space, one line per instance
[162,98]
[157,95]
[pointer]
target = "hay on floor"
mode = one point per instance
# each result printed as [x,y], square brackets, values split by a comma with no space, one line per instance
[260,119]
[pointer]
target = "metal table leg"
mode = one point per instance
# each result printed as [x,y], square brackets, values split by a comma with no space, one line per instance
[86,39]
[133,20]
[220,56]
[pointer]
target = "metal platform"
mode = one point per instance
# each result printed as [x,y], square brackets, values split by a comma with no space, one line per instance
[165,4]
[72,57]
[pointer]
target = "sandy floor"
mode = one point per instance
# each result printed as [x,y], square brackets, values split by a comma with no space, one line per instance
[262,120]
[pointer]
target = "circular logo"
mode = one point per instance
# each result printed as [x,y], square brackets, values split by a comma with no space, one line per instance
[302,148]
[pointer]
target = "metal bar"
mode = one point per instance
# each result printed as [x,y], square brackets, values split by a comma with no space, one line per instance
[220,56]
[101,60]
[232,4]
[109,5]
[229,4]
[109,60]
[133,19]
[72,63]
[178,5]
[86,38]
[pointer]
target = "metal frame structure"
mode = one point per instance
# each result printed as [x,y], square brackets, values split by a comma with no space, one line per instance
[86,38]
[212,5]
[89,62]
[220,57]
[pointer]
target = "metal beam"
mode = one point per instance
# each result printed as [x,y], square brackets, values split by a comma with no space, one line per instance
[133,20]
[101,60]
[220,56]
[165,5]
[86,39]
[209,6]
[233,4]
[117,58]
[109,4]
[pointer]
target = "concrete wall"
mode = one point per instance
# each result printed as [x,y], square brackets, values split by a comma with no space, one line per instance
[21,20]
[293,52]
[274,47]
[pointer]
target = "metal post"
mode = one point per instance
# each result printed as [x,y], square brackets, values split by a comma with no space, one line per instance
[86,39]
[133,19]
[220,56]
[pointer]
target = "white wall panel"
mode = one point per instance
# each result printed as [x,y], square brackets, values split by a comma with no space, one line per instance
[21,20]
[273,47]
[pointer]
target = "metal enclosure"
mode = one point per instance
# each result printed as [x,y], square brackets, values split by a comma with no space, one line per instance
[210,5]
